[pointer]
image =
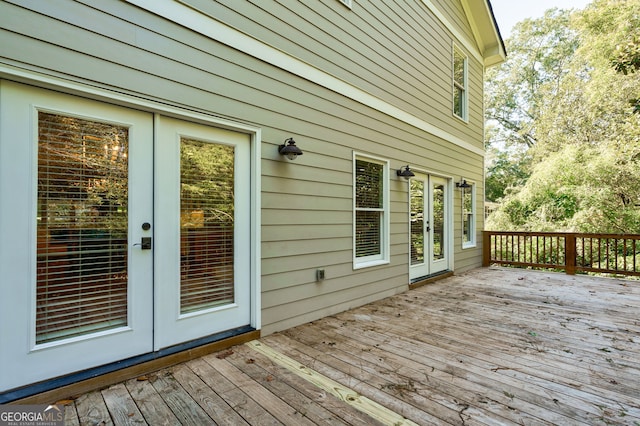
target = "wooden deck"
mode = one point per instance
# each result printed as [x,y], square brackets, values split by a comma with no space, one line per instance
[489,347]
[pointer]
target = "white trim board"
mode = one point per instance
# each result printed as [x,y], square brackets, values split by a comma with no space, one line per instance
[208,26]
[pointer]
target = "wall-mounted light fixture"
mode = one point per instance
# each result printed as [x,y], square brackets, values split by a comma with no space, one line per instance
[289,149]
[463,184]
[405,173]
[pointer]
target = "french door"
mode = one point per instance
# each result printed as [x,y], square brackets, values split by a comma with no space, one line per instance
[429,228]
[202,190]
[122,233]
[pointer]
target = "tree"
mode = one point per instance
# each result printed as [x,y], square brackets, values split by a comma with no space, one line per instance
[517,91]
[627,56]
[585,170]
[505,172]
[206,183]
[82,175]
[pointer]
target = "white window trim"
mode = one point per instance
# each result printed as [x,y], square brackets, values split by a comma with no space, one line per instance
[383,257]
[472,231]
[347,3]
[465,87]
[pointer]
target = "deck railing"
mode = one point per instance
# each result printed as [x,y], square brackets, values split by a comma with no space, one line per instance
[572,252]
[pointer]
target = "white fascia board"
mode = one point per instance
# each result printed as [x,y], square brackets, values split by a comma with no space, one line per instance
[460,38]
[214,29]
[485,32]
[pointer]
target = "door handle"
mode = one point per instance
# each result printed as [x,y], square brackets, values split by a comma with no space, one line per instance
[145,243]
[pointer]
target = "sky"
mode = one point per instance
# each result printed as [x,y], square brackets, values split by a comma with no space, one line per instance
[509,12]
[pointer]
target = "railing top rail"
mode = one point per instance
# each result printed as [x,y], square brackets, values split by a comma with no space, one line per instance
[526,233]
[564,234]
[569,251]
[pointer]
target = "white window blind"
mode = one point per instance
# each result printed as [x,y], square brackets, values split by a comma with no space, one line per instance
[81,227]
[438,224]
[207,225]
[417,221]
[369,209]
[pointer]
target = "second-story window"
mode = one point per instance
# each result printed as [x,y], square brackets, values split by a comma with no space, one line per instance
[459,84]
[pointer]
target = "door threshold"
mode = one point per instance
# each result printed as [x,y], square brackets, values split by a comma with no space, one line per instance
[50,391]
[428,279]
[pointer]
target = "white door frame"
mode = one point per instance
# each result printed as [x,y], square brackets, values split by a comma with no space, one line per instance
[23,245]
[427,268]
[118,98]
[440,265]
[171,327]
[22,360]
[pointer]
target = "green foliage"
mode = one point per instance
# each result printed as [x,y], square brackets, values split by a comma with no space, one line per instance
[583,169]
[207,180]
[82,175]
[519,90]
[505,172]
[627,56]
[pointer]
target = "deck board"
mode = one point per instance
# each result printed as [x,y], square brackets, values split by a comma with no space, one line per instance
[345,414]
[121,406]
[282,411]
[493,346]
[71,415]
[150,403]
[461,367]
[431,377]
[245,406]
[316,413]
[179,401]
[211,402]
[92,410]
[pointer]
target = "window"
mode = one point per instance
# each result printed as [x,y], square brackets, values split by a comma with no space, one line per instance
[371,207]
[468,216]
[459,84]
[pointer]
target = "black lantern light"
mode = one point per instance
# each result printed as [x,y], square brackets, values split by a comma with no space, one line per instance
[405,173]
[289,149]
[463,184]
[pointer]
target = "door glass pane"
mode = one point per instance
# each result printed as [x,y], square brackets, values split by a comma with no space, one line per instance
[81,227]
[417,221]
[207,220]
[467,215]
[438,222]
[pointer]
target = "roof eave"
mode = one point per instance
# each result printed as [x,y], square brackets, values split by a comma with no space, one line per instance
[485,31]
